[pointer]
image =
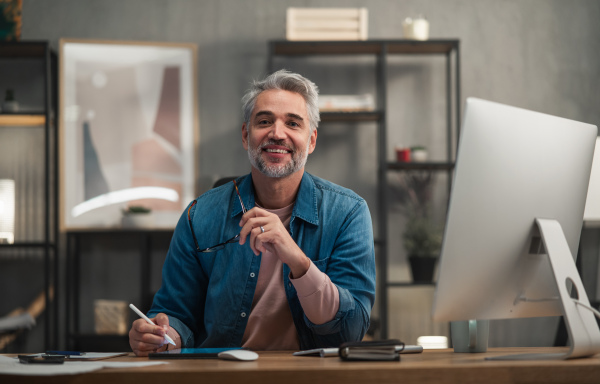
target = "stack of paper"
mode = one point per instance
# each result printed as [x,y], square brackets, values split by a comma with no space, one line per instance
[327,24]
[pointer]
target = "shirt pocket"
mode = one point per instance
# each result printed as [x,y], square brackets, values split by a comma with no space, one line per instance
[321,264]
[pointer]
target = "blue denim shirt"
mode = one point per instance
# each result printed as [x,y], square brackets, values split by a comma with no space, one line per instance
[208,296]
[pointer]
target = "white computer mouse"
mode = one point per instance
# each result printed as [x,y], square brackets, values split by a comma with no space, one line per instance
[238,354]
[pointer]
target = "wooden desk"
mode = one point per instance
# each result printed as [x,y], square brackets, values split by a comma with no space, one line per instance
[432,366]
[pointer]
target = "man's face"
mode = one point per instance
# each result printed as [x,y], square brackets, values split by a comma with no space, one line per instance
[278,137]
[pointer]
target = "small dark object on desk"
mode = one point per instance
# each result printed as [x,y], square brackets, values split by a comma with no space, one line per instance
[41,359]
[381,350]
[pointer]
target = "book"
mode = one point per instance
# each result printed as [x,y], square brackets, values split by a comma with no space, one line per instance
[328,352]
[346,103]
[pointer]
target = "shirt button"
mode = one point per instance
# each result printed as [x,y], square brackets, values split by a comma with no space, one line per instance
[243,314]
[252,274]
[289,284]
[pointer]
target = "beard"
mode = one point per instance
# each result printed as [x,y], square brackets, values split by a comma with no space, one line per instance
[296,163]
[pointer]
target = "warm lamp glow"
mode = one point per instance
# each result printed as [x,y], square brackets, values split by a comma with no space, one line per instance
[7,211]
[124,196]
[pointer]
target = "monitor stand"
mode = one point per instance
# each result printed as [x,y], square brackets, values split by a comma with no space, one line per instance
[580,322]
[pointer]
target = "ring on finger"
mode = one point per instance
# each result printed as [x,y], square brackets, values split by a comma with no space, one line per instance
[262,229]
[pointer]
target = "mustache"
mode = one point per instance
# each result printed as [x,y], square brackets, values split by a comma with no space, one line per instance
[276,142]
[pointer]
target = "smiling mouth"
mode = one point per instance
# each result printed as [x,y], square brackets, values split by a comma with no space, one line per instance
[270,150]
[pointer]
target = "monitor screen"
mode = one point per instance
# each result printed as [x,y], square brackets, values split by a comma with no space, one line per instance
[513,166]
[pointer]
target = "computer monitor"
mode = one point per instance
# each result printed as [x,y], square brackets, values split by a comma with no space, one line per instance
[514,221]
[591,215]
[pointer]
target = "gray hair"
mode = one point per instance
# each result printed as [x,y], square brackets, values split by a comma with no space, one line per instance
[286,81]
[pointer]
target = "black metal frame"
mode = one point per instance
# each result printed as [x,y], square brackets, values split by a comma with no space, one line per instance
[41,50]
[382,49]
[73,281]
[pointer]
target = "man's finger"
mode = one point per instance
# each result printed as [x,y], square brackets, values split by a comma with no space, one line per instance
[142,326]
[162,319]
[249,228]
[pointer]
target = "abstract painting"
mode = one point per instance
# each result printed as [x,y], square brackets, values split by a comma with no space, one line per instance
[10,19]
[129,130]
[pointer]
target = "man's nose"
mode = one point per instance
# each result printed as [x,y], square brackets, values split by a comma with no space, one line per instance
[277,131]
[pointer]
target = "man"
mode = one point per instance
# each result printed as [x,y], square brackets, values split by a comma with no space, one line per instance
[303,273]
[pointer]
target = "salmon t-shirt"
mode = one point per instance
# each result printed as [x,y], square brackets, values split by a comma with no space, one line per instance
[270,323]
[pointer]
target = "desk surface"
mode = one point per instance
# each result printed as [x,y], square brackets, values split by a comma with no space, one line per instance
[432,366]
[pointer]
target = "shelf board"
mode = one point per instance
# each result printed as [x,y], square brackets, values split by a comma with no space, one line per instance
[119,231]
[29,244]
[398,46]
[95,336]
[22,119]
[351,116]
[23,49]
[416,166]
[100,343]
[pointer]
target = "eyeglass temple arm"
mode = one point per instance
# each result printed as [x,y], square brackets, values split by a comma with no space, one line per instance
[191,227]
[239,196]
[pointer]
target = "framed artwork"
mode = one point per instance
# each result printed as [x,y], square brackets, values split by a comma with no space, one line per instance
[10,19]
[128,132]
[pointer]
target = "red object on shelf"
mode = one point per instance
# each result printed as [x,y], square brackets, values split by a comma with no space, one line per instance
[403,155]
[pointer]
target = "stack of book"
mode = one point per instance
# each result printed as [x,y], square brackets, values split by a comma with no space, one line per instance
[346,103]
[327,24]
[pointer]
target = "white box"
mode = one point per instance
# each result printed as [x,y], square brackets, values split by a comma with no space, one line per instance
[327,24]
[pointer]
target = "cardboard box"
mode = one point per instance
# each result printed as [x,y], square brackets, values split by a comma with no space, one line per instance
[111,317]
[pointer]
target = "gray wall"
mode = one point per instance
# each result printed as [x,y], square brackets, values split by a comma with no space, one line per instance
[539,54]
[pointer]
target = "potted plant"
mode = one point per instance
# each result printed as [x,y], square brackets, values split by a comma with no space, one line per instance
[137,216]
[422,241]
[418,154]
[422,238]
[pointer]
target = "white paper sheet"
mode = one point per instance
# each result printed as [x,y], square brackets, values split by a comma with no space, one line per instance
[12,366]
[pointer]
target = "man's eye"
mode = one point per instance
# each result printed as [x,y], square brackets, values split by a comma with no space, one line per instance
[263,122]
[293,124]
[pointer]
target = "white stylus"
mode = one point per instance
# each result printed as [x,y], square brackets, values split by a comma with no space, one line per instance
[140,314]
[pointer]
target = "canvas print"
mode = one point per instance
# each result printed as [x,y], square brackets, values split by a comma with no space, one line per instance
[10,19]
[129,130]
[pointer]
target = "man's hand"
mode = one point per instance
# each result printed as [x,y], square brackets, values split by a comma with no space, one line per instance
[275,239]
[145,338]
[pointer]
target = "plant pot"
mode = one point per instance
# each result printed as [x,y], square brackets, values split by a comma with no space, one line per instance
[422,268]
[138,220]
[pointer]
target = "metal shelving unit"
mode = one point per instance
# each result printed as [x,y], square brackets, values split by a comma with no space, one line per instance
[382,49]
[43,119]
[146,241]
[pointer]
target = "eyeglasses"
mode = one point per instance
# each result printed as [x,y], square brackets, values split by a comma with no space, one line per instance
[220,246]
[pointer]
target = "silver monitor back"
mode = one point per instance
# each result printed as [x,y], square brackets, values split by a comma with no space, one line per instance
[513,166]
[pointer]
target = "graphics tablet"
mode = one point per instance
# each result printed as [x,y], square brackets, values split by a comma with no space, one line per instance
[189,353]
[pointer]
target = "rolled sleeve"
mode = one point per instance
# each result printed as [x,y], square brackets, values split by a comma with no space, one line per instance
[186,335]
[317,294]
[183,286]
[351,268]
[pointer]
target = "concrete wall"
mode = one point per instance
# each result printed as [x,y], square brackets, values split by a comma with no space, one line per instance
[537,54]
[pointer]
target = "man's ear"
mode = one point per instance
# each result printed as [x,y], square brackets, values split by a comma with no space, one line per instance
[313,141]
[245,136]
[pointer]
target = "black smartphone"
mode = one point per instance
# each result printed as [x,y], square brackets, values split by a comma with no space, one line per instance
[41,359]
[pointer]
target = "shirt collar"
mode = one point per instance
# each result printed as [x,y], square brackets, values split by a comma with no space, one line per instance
[246,189]
[305,207]
[306,201]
